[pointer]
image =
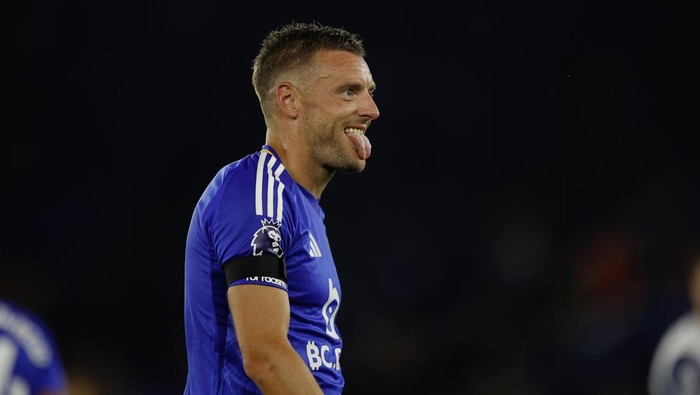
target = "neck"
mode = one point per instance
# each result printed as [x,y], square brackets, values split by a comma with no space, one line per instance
[295,158]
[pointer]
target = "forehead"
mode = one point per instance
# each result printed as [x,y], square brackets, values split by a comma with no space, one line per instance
[343,65]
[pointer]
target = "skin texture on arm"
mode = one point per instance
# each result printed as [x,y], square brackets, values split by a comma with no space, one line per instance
[261,318]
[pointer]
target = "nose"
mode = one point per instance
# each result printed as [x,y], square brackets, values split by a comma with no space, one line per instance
[369,108]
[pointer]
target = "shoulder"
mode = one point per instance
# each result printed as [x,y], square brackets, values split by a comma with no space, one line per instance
[236,174]
[15,313]
[28,330]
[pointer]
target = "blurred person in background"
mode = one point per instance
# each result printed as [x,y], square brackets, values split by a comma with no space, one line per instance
[261,287]
[675,365]
[30,361]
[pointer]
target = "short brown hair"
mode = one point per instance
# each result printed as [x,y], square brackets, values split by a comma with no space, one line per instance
[293,46]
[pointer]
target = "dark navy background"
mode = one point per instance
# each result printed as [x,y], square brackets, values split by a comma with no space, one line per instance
[520,228]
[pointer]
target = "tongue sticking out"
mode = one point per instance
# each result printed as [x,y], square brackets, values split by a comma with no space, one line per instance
[362,145]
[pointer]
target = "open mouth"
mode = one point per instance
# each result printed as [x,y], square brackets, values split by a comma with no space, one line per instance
[361,142]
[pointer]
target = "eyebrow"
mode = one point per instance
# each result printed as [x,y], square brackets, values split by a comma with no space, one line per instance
[359,86]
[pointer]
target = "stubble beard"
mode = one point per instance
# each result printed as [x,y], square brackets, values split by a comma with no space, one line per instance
[328,147]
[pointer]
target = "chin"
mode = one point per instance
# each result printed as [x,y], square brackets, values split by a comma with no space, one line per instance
[356,167]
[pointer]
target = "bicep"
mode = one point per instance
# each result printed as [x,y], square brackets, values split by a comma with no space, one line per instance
[260,314]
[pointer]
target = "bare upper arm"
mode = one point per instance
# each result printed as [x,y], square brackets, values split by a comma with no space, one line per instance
[261,318]
[260,315]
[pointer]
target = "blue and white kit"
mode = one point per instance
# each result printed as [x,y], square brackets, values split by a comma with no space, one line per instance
[253,208]
[30,362]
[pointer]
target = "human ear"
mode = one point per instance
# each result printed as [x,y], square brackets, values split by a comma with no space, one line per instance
[286,96]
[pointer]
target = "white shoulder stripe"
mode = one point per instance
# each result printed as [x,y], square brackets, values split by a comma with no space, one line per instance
[270,188]
[258,183]
[265,203]
[279,171]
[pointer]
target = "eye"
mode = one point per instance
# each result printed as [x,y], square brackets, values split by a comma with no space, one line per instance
[350,92]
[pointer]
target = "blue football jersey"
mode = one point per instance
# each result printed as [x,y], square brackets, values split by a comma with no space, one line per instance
[29,359]
[253,207]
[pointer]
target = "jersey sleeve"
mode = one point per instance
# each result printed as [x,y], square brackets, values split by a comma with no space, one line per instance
[247,229]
